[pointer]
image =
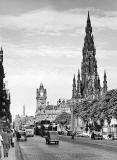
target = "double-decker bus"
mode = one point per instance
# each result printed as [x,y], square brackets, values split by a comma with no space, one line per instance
[41,127]
[52,126]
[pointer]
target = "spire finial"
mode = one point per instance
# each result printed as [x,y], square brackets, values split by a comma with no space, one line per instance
[78,71]
[88,18]
[104,74]
[74,76]
[74,87]
[74,80]
[104,71]
[88,11]
[105,83]
[78,74]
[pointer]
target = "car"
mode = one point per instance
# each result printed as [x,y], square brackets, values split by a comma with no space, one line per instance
[113,136]
[60,132]
[69,133]
[52,136]
[21,135]
[106,135]
[96,135]
[29,132]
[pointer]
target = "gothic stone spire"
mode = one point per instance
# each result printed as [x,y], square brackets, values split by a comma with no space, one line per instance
[89,62]
[1,55]
[105,83]
[74,87]
[88,84]
[78,85]
[88,40]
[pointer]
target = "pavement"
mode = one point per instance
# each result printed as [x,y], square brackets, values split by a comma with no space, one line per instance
[12,155]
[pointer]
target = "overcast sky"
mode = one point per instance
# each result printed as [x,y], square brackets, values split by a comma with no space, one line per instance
[42,41]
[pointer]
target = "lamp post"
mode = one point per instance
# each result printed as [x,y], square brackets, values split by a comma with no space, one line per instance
[72,105]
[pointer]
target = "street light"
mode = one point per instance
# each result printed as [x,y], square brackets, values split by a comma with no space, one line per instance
[72,105]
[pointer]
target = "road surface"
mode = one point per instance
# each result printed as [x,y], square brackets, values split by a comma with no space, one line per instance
[36,149]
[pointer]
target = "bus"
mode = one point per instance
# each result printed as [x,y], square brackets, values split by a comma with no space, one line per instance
[29,130]
[52,126]
[41,127]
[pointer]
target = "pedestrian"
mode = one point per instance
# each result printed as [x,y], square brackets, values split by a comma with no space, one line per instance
[6,142]
[13,142]
[11,137]
[92,135]
[1,146]
[18,136]
[73,134]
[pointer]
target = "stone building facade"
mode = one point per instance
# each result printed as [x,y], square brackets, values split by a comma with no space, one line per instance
[5,114]
[47,111]
[43,109]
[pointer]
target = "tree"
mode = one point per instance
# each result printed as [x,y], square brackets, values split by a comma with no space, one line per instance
[63,119]
[99,109]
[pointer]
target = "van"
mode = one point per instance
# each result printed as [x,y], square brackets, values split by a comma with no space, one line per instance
[52,136]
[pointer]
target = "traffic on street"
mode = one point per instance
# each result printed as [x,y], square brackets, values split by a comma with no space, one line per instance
[35,148]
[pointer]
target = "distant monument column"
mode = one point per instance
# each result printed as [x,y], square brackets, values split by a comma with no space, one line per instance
[24,110]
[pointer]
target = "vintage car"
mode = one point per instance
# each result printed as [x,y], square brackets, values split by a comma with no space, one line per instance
[29,131]
[52,136]
[106,135]
[21,135]
[113,132]
[69,133]
[96,135]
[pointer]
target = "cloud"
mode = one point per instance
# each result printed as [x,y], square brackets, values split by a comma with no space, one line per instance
[42,21]
[52,22]
[22,52]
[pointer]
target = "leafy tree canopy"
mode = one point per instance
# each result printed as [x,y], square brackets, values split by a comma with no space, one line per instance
[64,118]
[103,108]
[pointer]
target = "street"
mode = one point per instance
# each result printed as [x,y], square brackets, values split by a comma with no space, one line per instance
[36,149]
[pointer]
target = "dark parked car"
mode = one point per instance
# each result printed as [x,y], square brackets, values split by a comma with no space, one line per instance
[69,133]
[21,135]
[96,135]
[52,136]
[60,132]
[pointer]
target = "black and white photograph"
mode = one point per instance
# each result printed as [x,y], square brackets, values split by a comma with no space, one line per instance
[58,79]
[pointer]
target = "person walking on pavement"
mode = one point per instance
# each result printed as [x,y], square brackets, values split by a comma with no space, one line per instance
[1,146]
[12,138]
[6,142]
[73,134]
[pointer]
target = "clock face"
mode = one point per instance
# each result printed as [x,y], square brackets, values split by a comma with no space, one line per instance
[41,93]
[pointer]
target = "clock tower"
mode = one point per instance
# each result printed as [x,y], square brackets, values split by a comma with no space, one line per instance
[41,98]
